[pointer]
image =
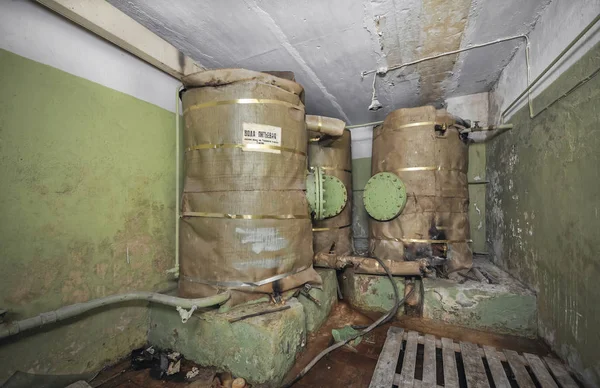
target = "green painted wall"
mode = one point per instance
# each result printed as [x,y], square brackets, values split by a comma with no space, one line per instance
[87,175]
[477,163]
[544,211]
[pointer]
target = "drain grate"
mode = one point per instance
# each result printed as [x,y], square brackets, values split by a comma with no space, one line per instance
[409,359]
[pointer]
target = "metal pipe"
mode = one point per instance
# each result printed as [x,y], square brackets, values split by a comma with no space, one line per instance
[488,128]
[326,125]
[175,269]
[370,265]
[501,127]
[536,80]
[365,124]
[501,40]
[10,329]
[396,67]
[568,92]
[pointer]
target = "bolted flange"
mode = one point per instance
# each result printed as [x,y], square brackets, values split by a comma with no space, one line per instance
[326,194]
[384,196]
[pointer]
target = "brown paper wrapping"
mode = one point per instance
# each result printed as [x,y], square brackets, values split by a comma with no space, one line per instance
[218,252]
[336,158]
[438,195]
[325,125]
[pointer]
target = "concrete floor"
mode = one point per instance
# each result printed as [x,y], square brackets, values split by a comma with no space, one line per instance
[342,368]
[345,368]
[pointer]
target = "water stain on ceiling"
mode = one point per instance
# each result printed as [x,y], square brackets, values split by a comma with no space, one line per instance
[327,44]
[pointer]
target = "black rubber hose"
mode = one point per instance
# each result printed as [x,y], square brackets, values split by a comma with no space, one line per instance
[390,314]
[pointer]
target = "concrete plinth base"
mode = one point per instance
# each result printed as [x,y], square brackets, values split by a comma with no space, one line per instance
[506,307]
[260,349]
[371,293]
[327,296]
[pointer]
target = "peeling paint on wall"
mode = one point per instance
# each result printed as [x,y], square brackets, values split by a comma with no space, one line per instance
[542,223]
[475,108]
[88,210]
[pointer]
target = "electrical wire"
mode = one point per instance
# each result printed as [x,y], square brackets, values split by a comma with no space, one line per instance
[373,123]
[530,85]
[471,47]
[390,314]
[383,71]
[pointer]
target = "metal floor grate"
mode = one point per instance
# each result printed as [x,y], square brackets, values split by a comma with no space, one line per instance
[445,363]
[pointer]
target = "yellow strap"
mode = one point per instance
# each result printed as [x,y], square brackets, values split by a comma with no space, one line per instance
[427,241]
[420,124]
[331,228]
[211,146]
[319,123]
[428,168]
[329,168]
[424,241]
[410,125]
[247,216]
[241,101]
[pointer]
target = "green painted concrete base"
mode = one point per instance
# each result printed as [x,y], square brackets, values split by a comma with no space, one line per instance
[317,315]
[505,308]
[260,349]
[370,293]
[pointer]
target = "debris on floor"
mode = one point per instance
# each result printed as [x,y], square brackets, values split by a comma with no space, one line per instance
[345,333]
[162,363]
[151,366]
[193,373]
[203,377]
[239,383]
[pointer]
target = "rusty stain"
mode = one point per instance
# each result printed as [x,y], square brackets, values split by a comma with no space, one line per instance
[444,24]
[364,285]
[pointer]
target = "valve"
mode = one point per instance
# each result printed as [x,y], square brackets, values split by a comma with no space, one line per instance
[186,314]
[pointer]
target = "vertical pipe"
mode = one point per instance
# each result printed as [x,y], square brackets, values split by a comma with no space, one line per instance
[175,269]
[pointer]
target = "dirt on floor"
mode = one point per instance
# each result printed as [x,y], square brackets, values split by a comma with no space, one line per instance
[353,368]
[348,367]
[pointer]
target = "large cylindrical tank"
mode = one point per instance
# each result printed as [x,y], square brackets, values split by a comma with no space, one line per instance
[334,235]
[245,218]
[433,166]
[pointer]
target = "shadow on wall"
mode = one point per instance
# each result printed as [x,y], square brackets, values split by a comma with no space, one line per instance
[544,217]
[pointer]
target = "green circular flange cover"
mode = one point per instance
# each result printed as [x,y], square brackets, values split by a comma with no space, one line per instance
[335,196]
[326,194]
[384,196]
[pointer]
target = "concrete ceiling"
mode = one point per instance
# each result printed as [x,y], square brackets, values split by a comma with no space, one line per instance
[327,44]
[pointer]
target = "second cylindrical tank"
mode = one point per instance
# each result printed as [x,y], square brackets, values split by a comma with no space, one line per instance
[333,156]
[424,148]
